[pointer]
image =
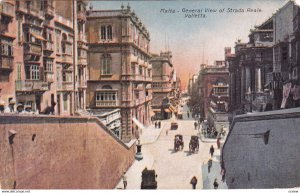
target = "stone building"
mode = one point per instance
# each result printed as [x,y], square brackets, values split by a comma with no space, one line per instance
[39,41]
[164,85]
[266,67]
[213,87]
[120,75]
[251,70]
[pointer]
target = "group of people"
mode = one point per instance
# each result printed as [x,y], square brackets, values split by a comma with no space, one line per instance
[157,124]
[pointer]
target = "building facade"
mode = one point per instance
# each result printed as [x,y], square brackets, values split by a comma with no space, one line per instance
[264,71]
[213,88]
[164,86]
[120,75]
[39,42]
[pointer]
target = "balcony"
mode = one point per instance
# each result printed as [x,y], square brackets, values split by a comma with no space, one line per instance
[134,59]
[34,49]
[49,11]
[106,103]
[65,58]
[6,63]
[49,77]
[82,61]
[64,21]
[82,84]
[81,16]
[67,86]
[7,11]
[31,86]
[48,46]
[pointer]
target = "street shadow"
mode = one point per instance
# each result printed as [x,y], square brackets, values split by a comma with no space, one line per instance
[172,151]
[188,153]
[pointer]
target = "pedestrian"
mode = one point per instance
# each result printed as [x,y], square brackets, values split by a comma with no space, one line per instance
[194,182]
[211,150]
[188,115]
[167,132]
[155,124]
[124,180]
[195,124]
[218,142]
[209,164]
[223,175]
[159,124]
[216,184]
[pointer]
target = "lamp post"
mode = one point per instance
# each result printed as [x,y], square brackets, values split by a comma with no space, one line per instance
[138,154]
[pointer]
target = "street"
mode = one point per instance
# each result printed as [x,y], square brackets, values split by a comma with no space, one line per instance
[175,169]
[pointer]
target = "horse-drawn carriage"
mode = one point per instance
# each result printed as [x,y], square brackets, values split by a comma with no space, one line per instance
[174,126]
[194,143]
[178,142]
[148,179]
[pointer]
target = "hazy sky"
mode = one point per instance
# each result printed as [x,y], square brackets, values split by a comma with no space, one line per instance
[188,37]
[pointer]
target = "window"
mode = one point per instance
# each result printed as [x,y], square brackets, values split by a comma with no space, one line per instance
[106,65]
[133,69]
[106,98]
[141,70]
[65,101]
[106,32]
[48,66]
[32,72]
[19,71]
[6,48]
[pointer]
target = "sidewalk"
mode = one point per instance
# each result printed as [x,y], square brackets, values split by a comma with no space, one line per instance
[134,174]
[150,134]
[209,178]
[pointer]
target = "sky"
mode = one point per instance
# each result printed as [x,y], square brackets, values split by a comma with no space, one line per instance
[196,40]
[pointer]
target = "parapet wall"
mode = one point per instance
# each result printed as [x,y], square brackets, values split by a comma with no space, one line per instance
[51,152]
[253,159]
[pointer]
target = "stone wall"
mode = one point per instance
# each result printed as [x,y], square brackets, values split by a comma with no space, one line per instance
[51,152]
[253,160]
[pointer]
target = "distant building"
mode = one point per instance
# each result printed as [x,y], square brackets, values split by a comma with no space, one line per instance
[120,75]
[213,88]
[164,85]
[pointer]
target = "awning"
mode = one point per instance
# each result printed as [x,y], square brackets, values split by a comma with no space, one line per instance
[38,36]
[139,124]
[156,110]
[167,110]
[172,108]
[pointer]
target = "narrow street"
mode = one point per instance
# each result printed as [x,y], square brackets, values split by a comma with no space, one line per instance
[175,169]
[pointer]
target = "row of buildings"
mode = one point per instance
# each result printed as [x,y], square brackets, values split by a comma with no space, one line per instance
[209,91]
[82,61]
[264,72]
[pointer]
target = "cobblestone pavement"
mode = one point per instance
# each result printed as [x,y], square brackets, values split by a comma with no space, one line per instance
[175,169]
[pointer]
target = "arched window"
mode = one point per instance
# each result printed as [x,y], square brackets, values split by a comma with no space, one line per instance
[106,65]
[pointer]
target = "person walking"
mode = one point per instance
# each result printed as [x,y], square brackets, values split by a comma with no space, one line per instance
[188,115]
[216,184]
[194,182]
[218,142]
[223,174]
[195,124]
[155,124]
[159,124]
[124,177]
[209,164]
[167,132]
[211,151]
